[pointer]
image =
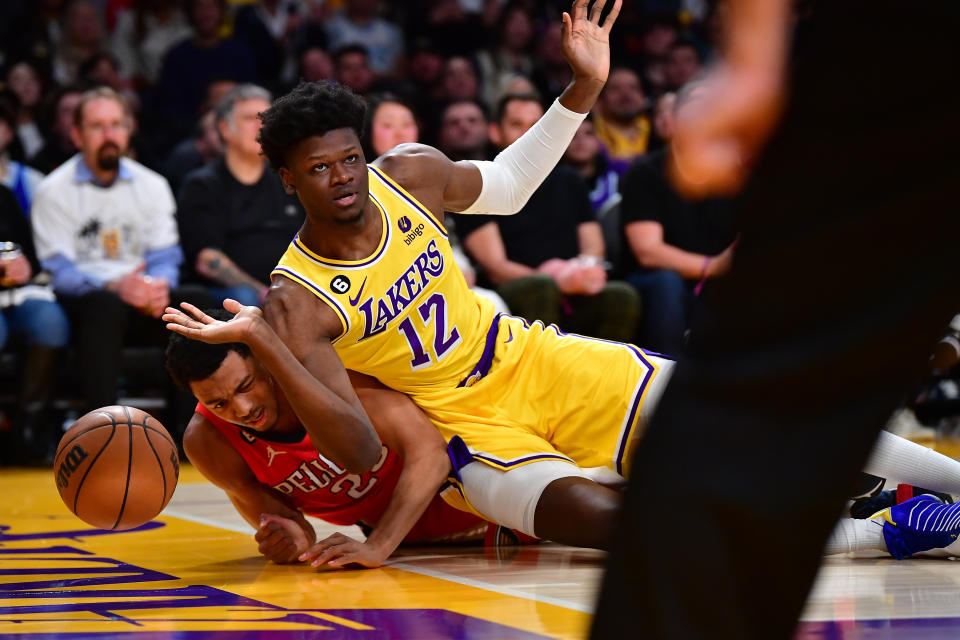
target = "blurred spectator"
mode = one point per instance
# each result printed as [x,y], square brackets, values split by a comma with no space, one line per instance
[358,22]
[59,145]
[266,26]
[389,122]
[620,121]
[316,64]
[144,34]
[552,73]
[425,72]
[663,120]
[216,90]
[83,36]
[25,80]
[674,245]
[658,36]
[455,26]
[105,230]
[101,69]
[684,62]
[310,33]
[559,278]
[511,56]
[461,80]
[32,30]
[16,176]
[585,155]
[31,317]
[352,68]
[235,218]
[192,65]
[194,152]
[464,131]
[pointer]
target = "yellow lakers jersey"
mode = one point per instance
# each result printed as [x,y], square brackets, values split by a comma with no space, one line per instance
[408,316]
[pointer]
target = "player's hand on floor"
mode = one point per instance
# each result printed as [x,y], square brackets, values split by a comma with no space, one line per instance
[339,550]
[280,539]
[195,324]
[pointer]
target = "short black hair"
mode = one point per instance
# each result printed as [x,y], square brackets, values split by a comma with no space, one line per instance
[191,360]
[311,109]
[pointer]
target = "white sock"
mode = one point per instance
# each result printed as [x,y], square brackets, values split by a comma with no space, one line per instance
[898,459]
[856,535]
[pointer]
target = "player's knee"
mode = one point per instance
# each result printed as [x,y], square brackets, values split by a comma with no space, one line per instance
[578,512]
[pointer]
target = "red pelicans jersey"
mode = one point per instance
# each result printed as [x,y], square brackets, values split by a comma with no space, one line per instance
[320,488]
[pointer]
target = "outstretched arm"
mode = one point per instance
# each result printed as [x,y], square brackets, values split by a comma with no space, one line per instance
[504,185]
[282,531]
[408,432]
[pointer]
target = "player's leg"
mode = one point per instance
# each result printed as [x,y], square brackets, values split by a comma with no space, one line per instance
[855,535]
[921,526]
[548,499]
[578,512]
[896,458]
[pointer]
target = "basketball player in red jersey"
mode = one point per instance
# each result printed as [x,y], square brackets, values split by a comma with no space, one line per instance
[246,439]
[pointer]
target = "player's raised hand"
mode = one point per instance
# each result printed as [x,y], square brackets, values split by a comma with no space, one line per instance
[280,539]
[338,550]
[195,324]
[586,42]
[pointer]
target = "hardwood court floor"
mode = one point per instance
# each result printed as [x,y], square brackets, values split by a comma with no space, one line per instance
[195,573]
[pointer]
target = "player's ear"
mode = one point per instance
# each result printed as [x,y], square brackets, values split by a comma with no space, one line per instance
[287,179]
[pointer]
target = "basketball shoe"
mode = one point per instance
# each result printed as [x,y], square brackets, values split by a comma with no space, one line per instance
[864,507]
[919,524]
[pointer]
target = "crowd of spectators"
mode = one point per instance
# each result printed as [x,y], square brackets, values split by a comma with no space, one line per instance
[132,177]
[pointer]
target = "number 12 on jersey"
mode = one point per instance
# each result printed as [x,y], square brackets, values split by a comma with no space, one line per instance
[435,308]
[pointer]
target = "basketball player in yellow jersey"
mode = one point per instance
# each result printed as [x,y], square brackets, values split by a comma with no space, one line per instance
[532,416]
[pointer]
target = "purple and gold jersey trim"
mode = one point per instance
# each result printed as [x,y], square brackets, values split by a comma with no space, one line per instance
[409,199]
[636,400]
[348,265]
[460,456]
[320,293]
[482,368]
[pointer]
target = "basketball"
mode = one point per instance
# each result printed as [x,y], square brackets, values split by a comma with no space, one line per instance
[116,467]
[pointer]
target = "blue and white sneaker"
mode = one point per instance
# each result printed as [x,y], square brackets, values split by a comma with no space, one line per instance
[919,524]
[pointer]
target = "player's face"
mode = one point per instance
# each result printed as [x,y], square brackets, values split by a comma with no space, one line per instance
[329,175]
[241,392]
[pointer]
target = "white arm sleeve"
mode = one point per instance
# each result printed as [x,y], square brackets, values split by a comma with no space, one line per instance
[517,171]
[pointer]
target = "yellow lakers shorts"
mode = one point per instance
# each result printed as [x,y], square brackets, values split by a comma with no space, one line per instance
[538,393]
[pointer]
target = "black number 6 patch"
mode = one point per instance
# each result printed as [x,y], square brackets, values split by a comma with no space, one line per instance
[340,284]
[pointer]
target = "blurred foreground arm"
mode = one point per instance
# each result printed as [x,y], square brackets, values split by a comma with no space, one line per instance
[719,134]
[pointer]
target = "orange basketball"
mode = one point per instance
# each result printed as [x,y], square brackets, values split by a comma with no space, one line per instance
[116,467]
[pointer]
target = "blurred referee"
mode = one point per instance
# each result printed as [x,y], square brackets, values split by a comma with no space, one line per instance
[846,165]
